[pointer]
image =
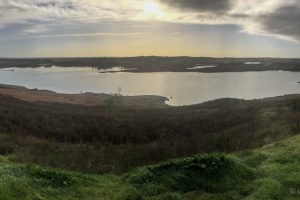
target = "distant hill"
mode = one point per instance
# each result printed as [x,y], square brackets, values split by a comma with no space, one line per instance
[162,64]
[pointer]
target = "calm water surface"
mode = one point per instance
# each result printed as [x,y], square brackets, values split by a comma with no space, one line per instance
[182,88]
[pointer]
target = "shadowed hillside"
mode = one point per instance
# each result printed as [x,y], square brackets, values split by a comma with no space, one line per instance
[113,138]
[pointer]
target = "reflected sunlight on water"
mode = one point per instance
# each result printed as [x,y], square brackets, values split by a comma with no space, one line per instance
[184,87]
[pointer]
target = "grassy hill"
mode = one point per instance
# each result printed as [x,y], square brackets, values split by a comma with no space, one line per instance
[270,172]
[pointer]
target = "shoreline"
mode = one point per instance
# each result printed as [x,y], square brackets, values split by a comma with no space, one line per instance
[102,99]
[87,99]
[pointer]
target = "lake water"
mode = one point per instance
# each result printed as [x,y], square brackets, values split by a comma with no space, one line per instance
[182,88]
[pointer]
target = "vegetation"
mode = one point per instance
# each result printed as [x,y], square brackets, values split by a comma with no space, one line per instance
[271,172]
[117,139]
[162,64]
[120,145]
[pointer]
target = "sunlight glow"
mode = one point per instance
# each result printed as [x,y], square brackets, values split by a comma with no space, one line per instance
[152,8]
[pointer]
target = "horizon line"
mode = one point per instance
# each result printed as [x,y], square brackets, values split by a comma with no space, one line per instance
[226,57]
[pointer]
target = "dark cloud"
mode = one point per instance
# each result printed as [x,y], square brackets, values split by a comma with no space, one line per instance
[62,5]
[283,21]
[47,4]
[200,5]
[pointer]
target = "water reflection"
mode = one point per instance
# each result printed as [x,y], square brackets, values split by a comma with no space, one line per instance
[184,87]
[202,67]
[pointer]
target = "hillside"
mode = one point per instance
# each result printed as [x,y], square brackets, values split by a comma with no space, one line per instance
[112,152]
[88,99]
[162,64]
[116,139]
[270,172]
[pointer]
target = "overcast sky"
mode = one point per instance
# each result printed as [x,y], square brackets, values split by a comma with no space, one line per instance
[218,28]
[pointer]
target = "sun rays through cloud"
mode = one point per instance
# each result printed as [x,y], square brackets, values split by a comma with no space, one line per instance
[164,22]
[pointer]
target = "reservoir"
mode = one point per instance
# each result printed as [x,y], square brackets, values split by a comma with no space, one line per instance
[182,88]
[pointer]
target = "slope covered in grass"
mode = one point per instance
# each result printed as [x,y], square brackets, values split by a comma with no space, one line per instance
[271,172]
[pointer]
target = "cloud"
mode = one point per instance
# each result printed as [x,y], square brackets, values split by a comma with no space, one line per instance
[36,29]
[112,34]
[64,5]
[278,18]
[199,5]
[283,22]
[26,11]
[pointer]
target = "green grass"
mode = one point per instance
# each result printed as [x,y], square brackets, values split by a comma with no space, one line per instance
[271,172]
[32,182]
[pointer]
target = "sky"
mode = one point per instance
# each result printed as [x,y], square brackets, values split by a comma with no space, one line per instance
[114,28]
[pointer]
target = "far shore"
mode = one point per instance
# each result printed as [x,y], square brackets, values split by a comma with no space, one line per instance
[161,64]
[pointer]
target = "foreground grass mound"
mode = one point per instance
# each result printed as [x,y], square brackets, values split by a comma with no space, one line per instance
[19,182]
[169,180]
[212,172]
[271,172]
[277,170]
